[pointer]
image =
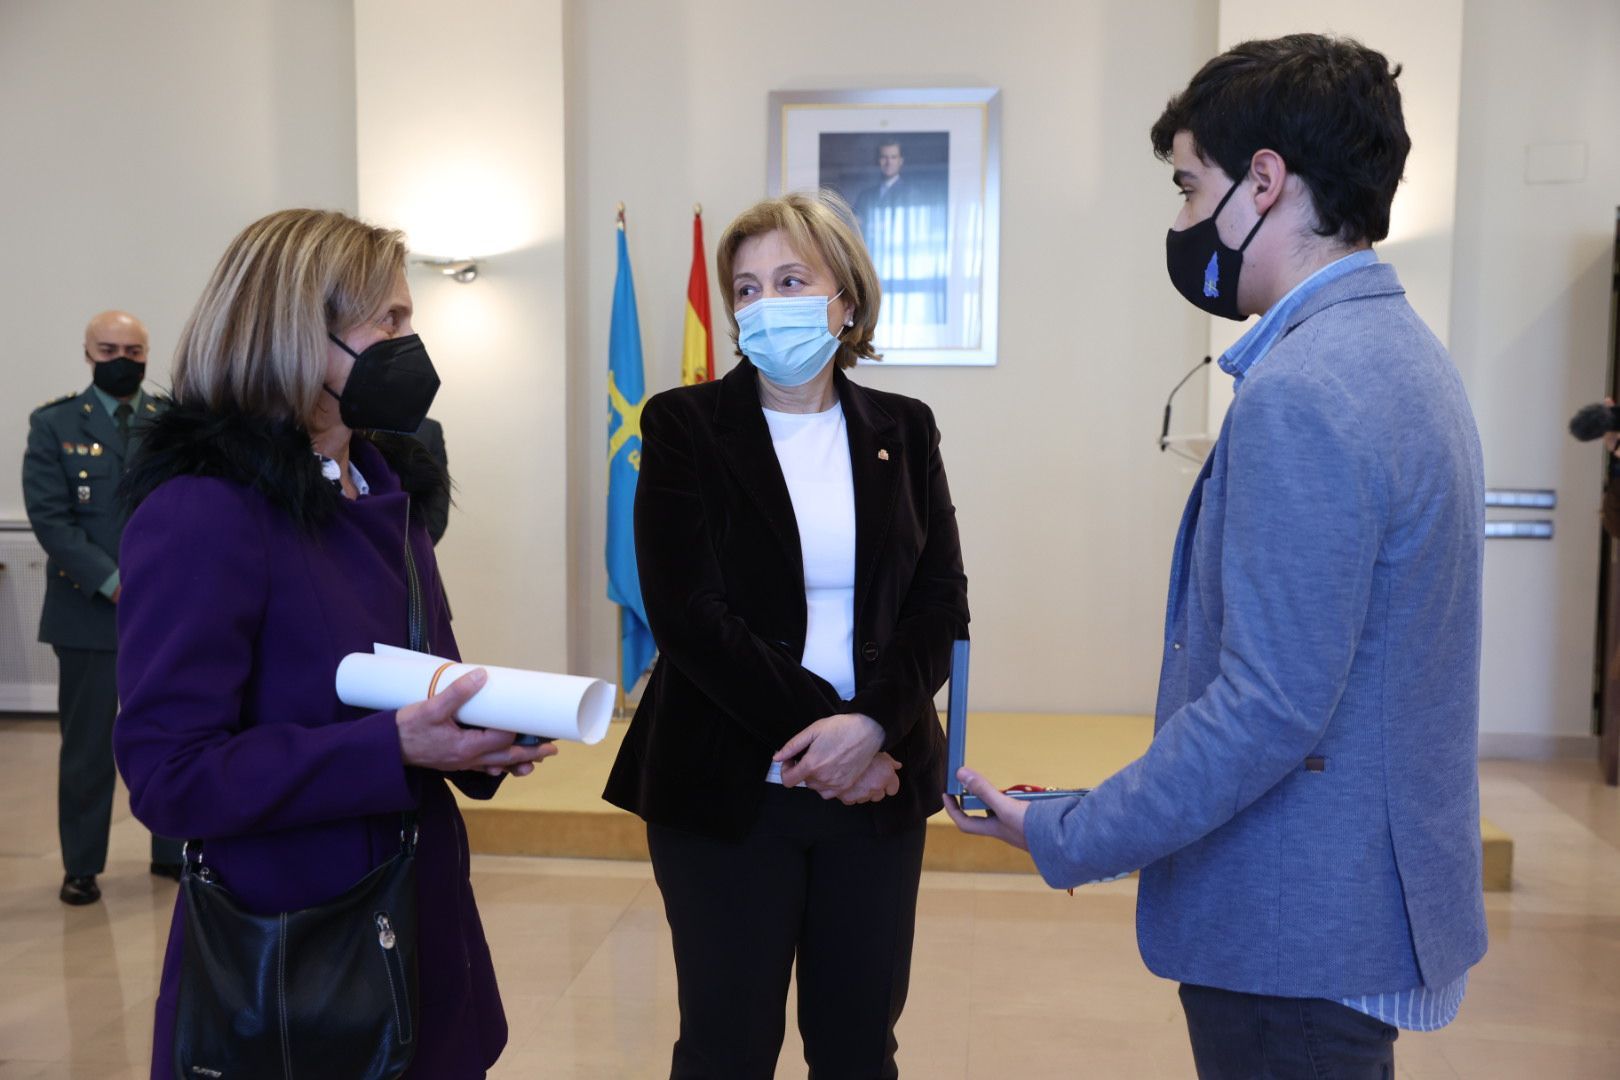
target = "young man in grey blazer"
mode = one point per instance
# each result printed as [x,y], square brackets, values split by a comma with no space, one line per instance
[1306,819]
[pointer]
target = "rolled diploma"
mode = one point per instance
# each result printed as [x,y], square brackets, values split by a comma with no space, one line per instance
[551,706]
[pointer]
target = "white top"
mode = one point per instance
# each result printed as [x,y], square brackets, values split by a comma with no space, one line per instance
[813,450]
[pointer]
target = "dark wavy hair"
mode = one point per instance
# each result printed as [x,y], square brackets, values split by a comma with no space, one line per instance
[1328,106]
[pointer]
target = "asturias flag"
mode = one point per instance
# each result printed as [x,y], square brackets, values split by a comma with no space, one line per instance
[625,393]
[697,352]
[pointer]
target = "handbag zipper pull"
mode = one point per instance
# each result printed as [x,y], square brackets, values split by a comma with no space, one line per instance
[385,931]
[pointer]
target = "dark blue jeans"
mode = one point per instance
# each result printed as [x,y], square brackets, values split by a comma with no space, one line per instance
[1253,1037]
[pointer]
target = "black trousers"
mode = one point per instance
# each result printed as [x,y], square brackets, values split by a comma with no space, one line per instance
[1253,1037]
[87,700]
[813,882]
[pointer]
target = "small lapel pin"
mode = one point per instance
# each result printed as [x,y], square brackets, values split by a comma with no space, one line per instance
[883,455]
[87,406]
[151,408]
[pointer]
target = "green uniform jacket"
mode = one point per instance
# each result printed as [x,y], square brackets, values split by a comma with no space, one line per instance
[70,485]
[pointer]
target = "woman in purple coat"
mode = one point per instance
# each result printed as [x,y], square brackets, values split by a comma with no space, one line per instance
[268,541]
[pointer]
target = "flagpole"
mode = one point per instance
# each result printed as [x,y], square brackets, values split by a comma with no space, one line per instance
[619,705]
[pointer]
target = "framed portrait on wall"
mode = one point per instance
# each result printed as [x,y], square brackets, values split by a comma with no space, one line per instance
[921,169]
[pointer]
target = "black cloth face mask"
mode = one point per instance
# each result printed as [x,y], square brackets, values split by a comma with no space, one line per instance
[1203,268]
[390,388]
[120,378]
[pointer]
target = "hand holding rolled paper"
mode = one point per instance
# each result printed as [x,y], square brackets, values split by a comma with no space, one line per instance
[430,737]
[538,703]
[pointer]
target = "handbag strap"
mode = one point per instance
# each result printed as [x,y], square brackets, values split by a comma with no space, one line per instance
[415,611]
[417,638]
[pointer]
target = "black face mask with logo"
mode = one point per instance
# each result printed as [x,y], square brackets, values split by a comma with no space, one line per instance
[390,388]
[1203,268]
[119,378]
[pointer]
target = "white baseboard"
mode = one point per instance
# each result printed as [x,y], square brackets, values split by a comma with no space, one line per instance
[27,698]
[1528,746]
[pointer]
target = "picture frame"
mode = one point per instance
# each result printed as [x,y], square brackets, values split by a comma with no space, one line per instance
[921,171]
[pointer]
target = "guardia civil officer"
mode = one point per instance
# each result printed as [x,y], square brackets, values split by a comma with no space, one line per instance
[77,447]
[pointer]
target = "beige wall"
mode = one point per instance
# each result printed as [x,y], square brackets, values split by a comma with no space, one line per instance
[135,141]
[125,178]
[460,138]
[1530,333]
[1067,509]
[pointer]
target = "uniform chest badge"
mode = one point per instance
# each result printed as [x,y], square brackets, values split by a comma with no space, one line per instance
[84,493]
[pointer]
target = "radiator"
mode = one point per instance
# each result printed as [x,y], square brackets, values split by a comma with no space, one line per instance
[27,668]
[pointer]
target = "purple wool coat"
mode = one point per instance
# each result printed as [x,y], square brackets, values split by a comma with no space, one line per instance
[232,622]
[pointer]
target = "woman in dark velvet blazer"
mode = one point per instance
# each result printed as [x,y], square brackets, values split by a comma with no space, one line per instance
[266,544]
[785,812]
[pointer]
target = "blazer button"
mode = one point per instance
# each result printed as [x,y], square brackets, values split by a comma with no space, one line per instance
[869,651]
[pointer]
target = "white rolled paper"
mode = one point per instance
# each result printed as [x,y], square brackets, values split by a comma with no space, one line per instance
[539,703]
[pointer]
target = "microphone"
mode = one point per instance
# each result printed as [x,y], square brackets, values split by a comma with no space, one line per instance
[1594,422]
[1164,433]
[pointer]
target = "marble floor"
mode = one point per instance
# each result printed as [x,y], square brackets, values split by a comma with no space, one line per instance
[1010,978]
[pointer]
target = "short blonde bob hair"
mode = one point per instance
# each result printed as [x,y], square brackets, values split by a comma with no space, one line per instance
[256,342]
[818,223]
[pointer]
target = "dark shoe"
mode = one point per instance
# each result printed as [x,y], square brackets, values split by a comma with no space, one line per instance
[170,870]
[79,891]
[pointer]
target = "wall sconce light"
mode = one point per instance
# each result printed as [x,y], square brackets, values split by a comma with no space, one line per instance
[461,270]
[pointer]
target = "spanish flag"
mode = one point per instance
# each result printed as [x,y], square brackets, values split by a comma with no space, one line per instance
[697,352]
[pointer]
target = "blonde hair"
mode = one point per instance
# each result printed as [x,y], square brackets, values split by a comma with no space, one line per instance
[256,342]
[819,222]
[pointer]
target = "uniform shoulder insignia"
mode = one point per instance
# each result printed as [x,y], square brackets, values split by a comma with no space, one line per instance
[58,401]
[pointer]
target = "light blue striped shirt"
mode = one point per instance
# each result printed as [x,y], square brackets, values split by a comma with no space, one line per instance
[1421,1008]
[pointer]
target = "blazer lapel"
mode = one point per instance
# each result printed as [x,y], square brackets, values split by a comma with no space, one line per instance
[876,467]
[745,446]
[148,411]
[98,430]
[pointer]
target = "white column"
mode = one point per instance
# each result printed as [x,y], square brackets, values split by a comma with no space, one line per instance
[460,140]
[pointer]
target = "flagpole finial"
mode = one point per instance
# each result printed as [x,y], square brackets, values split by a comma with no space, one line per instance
[697,209]
[621,216]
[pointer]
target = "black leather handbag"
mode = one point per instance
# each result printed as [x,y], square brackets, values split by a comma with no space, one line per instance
[329,991]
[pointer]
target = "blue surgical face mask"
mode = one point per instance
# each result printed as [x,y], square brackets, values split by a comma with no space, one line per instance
[786,337]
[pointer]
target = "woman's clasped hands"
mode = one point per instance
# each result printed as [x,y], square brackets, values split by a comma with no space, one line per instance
[840,757]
